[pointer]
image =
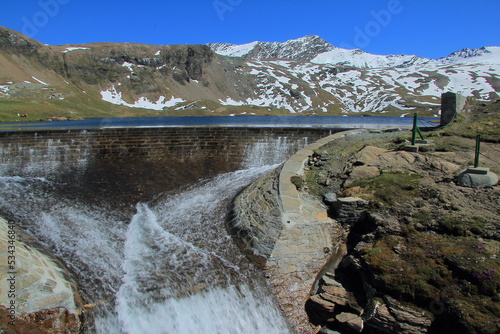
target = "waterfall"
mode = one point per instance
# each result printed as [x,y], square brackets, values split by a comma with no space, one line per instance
[52,158]
[270,151]
[182,277]
[170,268]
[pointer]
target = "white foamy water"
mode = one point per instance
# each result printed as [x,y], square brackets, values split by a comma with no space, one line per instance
[171,268]
[53,158]
[266,152]
[183,274]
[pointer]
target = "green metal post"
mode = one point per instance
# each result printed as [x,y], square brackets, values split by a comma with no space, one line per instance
[414,130]
[478,148]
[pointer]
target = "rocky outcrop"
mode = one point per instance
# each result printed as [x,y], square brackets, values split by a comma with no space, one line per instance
[348,210]
[334,306]
[405,223]
[393,317]
[47,321]
[305,49]
[17,42]
[182,63]
[37,294]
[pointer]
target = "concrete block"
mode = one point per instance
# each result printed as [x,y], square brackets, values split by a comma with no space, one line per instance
[293,165]
[477,178]
[412,148]
[451,105]
[288,189]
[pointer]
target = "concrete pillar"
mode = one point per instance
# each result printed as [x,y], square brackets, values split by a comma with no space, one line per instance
[451,105]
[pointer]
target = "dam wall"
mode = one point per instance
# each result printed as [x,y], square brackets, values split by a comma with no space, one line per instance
[146,161]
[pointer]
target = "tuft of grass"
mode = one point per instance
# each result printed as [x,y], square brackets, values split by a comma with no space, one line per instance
[390,187]
[462,226]
[312,181]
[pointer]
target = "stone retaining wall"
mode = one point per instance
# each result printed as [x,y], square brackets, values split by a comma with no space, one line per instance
[307,240]
[256,217]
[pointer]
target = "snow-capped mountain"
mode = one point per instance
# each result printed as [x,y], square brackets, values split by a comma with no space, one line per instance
[318,51]
[313,49]
[305,48]
[484,55]
[305,76]
[360,81]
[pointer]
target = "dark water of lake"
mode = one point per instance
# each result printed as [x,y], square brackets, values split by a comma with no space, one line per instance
[333,122]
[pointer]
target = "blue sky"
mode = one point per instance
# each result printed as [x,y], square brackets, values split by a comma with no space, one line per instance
[428,28]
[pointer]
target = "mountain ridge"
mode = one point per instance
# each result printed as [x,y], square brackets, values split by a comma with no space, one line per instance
[127,79]
[319,51]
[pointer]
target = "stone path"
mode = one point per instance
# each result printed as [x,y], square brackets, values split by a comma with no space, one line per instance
[308,241]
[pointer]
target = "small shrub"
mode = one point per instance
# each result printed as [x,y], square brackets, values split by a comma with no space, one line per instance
[297,182]
[461,226]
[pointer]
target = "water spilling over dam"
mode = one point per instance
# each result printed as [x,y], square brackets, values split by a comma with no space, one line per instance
[138,216]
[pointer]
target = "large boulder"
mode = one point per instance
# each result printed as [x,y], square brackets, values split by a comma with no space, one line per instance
[368,154]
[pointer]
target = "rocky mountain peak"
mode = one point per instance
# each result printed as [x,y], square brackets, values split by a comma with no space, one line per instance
[468,53]
[489,54]
[304,48]
[315,49]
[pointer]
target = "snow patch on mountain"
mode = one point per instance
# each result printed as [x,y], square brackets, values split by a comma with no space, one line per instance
[232,50]
[113,96]
[128,65]
[361,59]
[69,49]
[4,89]
[40,81]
